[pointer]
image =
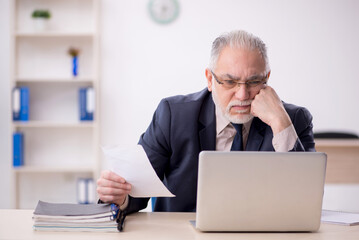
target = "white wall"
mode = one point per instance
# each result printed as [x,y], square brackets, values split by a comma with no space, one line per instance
[5,151]
[312,48]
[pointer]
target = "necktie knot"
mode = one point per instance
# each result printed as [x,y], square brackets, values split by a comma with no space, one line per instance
[238,127]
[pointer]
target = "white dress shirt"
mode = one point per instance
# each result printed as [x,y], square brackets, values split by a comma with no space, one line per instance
[225,132]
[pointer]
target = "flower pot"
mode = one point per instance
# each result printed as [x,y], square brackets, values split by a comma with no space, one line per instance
[41,24]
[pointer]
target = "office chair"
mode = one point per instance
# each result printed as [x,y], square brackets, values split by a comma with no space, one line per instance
[336,135]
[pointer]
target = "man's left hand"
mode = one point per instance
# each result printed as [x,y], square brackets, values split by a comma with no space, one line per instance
[269,108]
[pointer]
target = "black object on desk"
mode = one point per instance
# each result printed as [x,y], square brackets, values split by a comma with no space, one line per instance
[121,220]
[336,135]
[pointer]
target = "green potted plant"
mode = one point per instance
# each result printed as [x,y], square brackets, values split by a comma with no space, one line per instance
[41,17]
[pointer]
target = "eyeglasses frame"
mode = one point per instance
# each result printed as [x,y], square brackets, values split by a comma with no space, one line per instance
[263,81]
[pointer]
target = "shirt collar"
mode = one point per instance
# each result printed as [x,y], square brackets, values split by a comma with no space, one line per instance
[222,122]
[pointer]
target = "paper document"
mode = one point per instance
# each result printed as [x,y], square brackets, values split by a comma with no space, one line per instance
[68,217]
[133,165]
[337,217]
[69,209]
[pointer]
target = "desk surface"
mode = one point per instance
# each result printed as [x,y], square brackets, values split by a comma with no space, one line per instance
[17,224]
[343,159]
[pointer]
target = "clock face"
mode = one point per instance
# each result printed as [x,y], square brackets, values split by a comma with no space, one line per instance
[163,11]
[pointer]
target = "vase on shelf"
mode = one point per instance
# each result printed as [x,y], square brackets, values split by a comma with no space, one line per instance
[74,53]
[75,63]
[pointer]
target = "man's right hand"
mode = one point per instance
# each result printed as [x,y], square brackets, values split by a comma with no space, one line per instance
[112,188]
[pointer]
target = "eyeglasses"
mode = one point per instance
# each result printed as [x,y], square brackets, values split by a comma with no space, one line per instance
[252,83]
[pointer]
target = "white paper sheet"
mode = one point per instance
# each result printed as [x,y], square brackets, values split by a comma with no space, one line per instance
[337,217]
[133,165]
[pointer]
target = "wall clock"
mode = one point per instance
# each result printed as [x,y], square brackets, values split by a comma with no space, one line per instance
[163,11]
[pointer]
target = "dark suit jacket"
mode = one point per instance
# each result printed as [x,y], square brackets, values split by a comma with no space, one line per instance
[182,127]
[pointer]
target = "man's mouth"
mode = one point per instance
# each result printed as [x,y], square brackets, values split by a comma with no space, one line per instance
[236,107]
[241,107]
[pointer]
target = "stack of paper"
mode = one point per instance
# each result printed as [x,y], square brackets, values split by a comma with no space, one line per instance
[75,217]
[337,217]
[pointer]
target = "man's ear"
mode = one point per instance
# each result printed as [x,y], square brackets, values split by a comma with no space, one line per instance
[209,79]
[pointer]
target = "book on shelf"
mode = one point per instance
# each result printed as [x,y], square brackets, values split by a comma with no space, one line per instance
[75,217]
[85,191]
[16,104]
[18,149]
[339,217]
[20,103]
[87,103]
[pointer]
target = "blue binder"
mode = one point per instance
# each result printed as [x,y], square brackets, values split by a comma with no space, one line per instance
[82,104]
[18,149]
[86,104]
[24,103]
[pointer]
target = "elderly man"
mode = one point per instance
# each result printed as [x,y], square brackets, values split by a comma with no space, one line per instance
[237,111]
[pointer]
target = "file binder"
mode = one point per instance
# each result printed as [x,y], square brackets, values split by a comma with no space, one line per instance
[77,217]
[81,191]
[24,104]
[85,191]
[90,103]
[16,104]
[86,103]
[20,103]
[82,103]
[18,149]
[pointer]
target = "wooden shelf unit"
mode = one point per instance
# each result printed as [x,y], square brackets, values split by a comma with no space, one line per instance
[59,148]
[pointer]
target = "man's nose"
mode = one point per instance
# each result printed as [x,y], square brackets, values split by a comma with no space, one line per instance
[242,92]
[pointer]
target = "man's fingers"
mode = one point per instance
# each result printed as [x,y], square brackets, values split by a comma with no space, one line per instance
[112,188]
[106,191]
[112,176]
[112,199]
[102,182]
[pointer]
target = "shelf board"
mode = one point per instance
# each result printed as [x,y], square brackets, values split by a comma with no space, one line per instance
[53,169]
[54,80]
[53,34]
[47,124]
[336,142]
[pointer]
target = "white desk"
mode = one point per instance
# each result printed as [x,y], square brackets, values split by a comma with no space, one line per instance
[17,224]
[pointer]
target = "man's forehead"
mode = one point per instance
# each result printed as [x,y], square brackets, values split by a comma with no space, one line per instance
[241,50]
[239,61]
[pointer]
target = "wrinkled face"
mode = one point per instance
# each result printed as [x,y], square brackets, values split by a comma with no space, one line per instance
[242,66]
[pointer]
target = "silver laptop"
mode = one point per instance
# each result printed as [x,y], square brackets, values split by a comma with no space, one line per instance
[260,191]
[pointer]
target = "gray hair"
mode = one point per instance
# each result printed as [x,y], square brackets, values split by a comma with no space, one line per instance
[238,39]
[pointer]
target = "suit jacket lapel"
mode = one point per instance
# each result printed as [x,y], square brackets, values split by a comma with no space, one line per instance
[256,135]
[207,125]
